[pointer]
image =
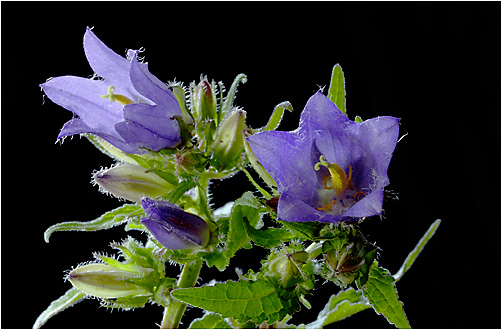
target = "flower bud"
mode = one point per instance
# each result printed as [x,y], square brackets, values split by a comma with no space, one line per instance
[229,142]
[174,228]
[131,182]
[290,268]
[205,101]
[105,281]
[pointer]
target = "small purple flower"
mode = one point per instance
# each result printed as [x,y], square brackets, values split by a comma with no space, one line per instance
[130,108]
[331,168]
[172,227]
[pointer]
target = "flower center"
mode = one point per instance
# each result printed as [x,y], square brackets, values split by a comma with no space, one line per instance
[344,195]
[123,100]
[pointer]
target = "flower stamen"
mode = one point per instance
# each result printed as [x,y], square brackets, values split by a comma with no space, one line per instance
[339,180]
[123,100]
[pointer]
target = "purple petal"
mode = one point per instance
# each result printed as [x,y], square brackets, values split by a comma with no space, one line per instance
[368,206]
[152,88]
[289,160]
[291,208]
[83,97]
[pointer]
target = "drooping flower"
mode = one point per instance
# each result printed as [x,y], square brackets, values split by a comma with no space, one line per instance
[172,227]
[331,168]
[130,108]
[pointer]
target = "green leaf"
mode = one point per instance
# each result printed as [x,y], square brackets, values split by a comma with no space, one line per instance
[381,292]
[70,298]
[245,207]
[245,300]
[267,238]
[340,306]
[108,220]
[416,251]
[309,230]
[180,190]
[210,321]
[276,117]
[336,92]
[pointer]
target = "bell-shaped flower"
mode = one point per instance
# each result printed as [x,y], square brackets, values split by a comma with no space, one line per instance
[330,168]
[172,227]
[129,107]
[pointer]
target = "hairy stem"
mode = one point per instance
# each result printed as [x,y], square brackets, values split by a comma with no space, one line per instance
[176,309]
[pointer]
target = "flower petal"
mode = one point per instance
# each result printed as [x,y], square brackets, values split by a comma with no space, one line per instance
[290,161]
[291,208]
[83,97]
[368,206]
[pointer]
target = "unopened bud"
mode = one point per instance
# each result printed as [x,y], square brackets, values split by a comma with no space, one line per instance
[105,281]
[205,101]
[174,228]
[229,142]
[132,182]
[289,268]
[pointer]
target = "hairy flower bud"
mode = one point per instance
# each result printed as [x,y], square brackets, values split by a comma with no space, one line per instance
[105,281]
[131,182]
[205,101]
[229,142]
[174,228]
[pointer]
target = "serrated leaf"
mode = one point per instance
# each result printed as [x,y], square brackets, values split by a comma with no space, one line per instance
[268,238]
[108,220]
[276,117]
[416,251]
[70,298]
[381,292]
[245,300]
[210,321]
[245,207]
[340,306]
[336,92]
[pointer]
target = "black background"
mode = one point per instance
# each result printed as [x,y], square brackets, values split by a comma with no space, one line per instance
[434,65]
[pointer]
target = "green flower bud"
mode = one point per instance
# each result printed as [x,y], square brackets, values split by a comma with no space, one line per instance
[229,142]
[204,101]
[132,182]
[105,281]
[289,268]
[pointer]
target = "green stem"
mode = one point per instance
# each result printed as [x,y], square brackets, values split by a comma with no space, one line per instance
[176,309]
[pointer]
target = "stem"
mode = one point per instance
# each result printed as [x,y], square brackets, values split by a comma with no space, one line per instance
[176,309]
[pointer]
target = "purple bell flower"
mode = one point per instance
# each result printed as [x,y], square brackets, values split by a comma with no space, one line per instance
[174,228]
[330,168]
[130,108]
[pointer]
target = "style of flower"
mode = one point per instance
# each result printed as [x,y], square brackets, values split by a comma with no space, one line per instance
[331,168]
[174,228]
[130,108]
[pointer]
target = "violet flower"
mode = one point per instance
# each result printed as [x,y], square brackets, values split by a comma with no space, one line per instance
[130,108]
[172,227]
[331,168]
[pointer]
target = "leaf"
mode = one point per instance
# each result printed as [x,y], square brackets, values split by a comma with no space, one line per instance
[416,251]
[382,295]
[210,321]
[276,117]
[267,238]
[70,298]
[340,306]
[245,207]
[309,230]
[108,220]
[245,300]
[336,92]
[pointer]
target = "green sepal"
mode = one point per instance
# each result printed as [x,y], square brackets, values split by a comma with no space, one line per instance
[416,251]
[210,321]
[156,166]
[70,298]
[358,119]
[277,115]
[245,300]
[381,292]
[118,216]
[309,230]
[340,306]
[247,207]
[126,303]
[268,238]
[336,92]
[229,100]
